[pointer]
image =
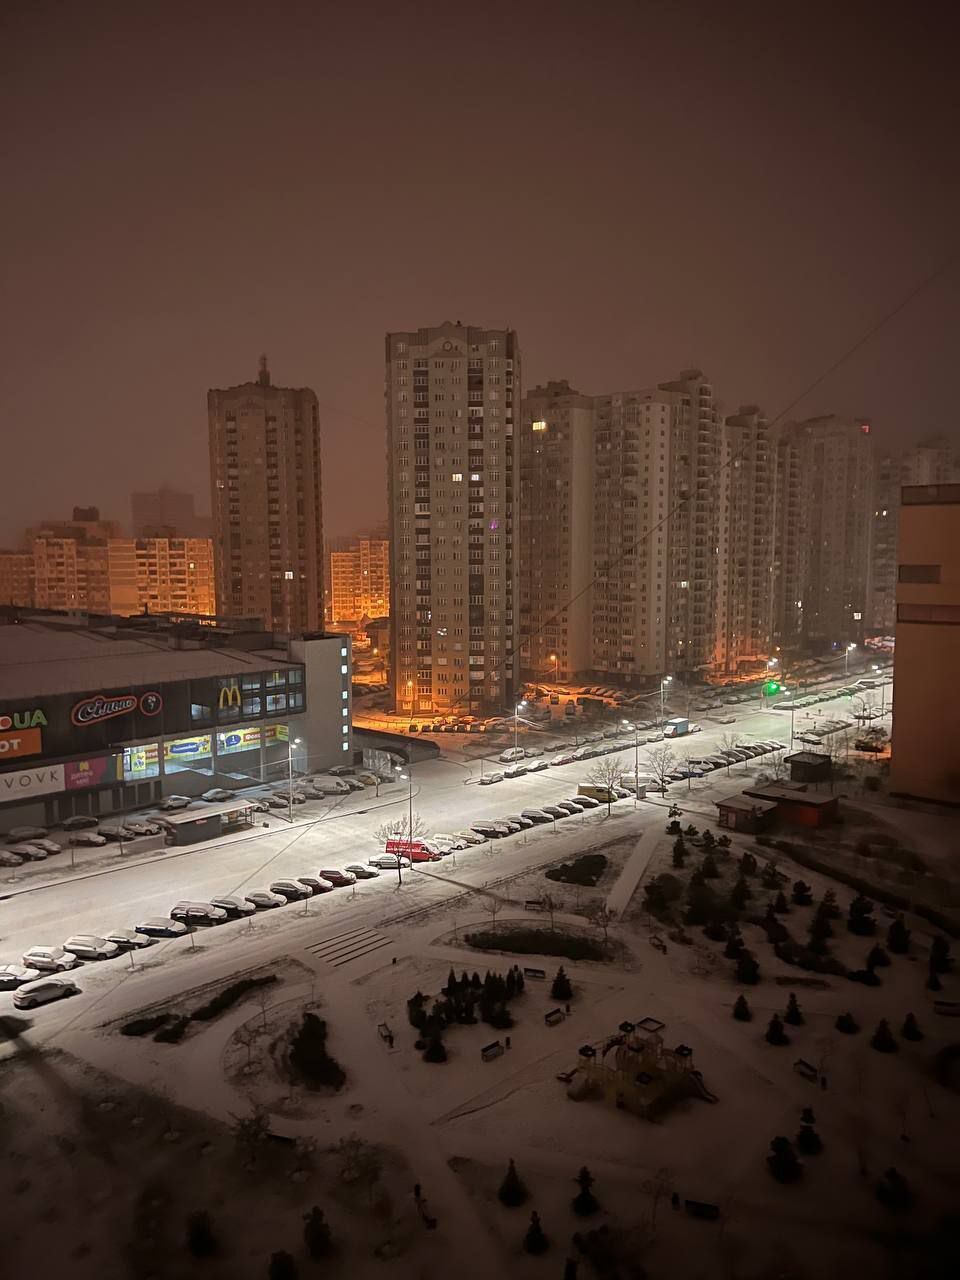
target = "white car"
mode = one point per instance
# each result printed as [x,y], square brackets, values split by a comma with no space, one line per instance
[44,991]
[389,862]
[49,959]
[48,846]
[471,837]
[538,766]
[15,975]
[87,946]
[489,779]
[265,899]
[27,850]
[511,754]
[233,906]
[515,771]
[362,872]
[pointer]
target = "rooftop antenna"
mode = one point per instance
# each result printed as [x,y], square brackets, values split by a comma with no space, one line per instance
[264,376]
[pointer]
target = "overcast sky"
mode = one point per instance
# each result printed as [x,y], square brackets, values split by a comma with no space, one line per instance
[635,187]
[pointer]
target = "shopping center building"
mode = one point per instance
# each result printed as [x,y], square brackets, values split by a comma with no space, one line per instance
[102,715]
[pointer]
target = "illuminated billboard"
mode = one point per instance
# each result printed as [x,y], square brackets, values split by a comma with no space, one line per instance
[275,733]
[232,740]
[98,772]
[186,753]
[141,762]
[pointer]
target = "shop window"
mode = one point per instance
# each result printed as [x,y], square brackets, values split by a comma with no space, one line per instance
[276,702]
[252,706]
[276,679]
[200,714]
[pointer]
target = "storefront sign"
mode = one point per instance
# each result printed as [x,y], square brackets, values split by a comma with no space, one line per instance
[28,783]
[237,740]
[100,707]
[99,772]
[181,749]
[274,733]
[230,696]
[23,719]
[141,762]
[25,742]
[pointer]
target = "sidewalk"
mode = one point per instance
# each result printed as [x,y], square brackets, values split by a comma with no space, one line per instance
[634,869]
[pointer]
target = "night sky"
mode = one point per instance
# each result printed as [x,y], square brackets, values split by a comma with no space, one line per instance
[636,188]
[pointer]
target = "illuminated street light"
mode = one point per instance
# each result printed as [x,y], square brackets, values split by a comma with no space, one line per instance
[663,684]
[291,743]
[846,658]
[636,759]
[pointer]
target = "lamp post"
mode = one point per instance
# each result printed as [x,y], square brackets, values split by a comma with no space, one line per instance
[883,690]
[663,684]
[291,743]
[409,779]
[516,725]
[636,761]
[846,658]
[555,659]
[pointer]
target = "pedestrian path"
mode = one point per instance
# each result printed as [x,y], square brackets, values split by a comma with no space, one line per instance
[351,945]
[618,899]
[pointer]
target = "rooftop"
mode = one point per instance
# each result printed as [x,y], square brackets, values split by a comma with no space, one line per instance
[746,804]
[778,794]
[44,654]
[807,757]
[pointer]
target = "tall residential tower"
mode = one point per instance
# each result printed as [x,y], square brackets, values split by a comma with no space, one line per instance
[266,501]
[450,396]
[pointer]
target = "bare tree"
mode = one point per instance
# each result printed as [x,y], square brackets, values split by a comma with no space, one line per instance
[551,906]
[776,766]
[728,742]
[493,906]
[250,1132]
[248,1035]
[605,773]
[661,762]
[600,915]
[359,1163]
[401,829]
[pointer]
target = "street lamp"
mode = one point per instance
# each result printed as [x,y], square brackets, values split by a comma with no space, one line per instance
[554,658]
[408,777]
[636,760]
[291,743]
[883,690]
[516,724]
[846,658]
[663,684]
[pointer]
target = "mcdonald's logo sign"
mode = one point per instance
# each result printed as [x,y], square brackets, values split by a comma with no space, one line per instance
[230,696]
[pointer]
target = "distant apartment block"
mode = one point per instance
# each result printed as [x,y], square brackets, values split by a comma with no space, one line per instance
[266,500]
[360,580]
[165,512]
[451,393]
[926,748]
[824,491]
[16,578]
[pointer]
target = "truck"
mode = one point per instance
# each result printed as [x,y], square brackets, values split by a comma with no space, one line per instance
[678,727]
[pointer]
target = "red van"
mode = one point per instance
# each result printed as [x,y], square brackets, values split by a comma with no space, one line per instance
[415,850]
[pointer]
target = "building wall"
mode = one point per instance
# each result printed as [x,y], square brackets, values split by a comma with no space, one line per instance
[16,578]
[175,575]
[124,576]
[360,581]
[327,726]
[926,749]
[266,499]
[168,510]
[556,532]
[452,483]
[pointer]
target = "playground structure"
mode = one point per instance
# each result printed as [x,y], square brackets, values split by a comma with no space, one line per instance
[636,1072]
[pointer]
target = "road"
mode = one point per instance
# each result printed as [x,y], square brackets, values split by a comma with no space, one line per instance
[447,796]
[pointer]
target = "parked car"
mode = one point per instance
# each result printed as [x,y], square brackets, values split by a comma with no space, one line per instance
[654,737]
[511,827]
[292,890]
[116,831]
[48,846]
[88,839]
[524,823]
[587,802]
[8,859]
[297,797]
[273,801]
[473,838]
[217,795]
[233,906]
[535,815]
[197,913]
[257,803]
[15,975]
[27,851]
[129,939]
[79,822]
[569,807]
[316,884]
[388,862]
[353,784]
[489,779]
[339,879]
[511,755]
[87,946]
[44,991]
[28,833]
[554,811]
[161,927]
[490,830]
[265,899]
[171,803]
[142,826]
[362,872]
[538,766]
[49,959]
[341,771]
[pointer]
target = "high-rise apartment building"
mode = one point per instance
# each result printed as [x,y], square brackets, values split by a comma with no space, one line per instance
[167,513]
[620,515]
[823,515]
[926,748]
[16,578]
[360,580]
[176,575]
[450,394]
[555,546]
[266,499]
[744,546]
[933,461]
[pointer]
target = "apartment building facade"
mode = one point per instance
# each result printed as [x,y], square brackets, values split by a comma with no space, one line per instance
[450,395]
[167,512]
[556,533]
[265,479]
[16,578]
[360,580]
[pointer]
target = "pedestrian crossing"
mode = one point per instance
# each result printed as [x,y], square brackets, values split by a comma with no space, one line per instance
[344,947]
